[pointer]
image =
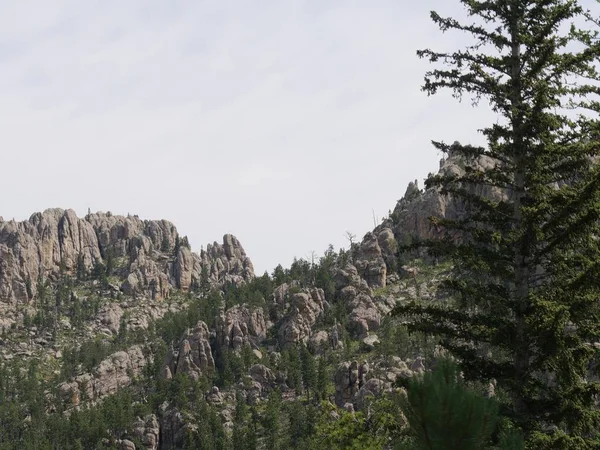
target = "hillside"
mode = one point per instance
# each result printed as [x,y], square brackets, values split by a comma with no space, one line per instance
[106,312]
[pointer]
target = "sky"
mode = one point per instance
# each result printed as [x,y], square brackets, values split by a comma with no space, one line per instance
[285,123]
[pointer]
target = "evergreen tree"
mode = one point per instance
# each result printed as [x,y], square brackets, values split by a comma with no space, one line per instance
[165,244]
[294,370]
[110,261]
[322,378]
[272,421]
[81,272]
[526,259]
[308,370]
[177,246]
[444,414]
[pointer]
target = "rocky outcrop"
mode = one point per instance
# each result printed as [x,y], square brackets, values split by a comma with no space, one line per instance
[306,307]
[110,317]
[34,249]
[356,382]
[147,430]
[364,314]
[146,279]
[113,373]
[262,375]
[410,217]
[349,378]
[348,276]
[118,371]
[218,265]
[193,355]
[369,261]
[239,326]
[141,253]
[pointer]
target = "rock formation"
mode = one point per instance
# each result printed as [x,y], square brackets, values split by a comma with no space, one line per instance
[217,265]
[193,356]
[142,252]
[239,326]
[113,373]
[306,307]
[410,217]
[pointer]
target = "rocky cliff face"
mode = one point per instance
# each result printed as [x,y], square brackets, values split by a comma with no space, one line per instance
[410,217]
[142,252]
[217,265]
[239,326]
[193,355]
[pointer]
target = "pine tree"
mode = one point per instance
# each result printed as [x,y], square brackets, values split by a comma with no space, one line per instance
[177,246]
[527,259]
[308,370]
[81,272]
[294,371]
[272,421]
[322,378]
[442,413]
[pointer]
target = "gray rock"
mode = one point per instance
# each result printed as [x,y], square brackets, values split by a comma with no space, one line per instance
[371,341]
[193,356]
[306,307]
[239,326]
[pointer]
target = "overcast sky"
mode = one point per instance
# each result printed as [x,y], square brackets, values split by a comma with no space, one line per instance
[285,123]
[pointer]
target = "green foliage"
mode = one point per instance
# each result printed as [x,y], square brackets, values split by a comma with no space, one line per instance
[165,244]
[308,370]
[322,380]
[81,271]
[272,423]
[244,432]
[346,432]
[524,284]
[443,414]
[301,424]
[230,368]
[398,340]
[314,273]
[254,294]
[293,365]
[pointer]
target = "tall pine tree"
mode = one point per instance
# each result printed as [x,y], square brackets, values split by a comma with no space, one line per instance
[526,260]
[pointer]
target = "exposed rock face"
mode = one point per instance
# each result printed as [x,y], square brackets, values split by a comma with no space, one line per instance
[412,212]
[349,378]
[263,375]
[348,276]
[110,317]
[146,279]
[217,265]
[239,326]
[113,373]
[369,261]
[214,397]
[147,430]
[319,341]
[36,248]
[364,314]
[306,307]
[193,357]
[117,371]
[372,388]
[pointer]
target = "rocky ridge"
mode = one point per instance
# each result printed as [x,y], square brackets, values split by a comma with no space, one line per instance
[152,264]
[147,255]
